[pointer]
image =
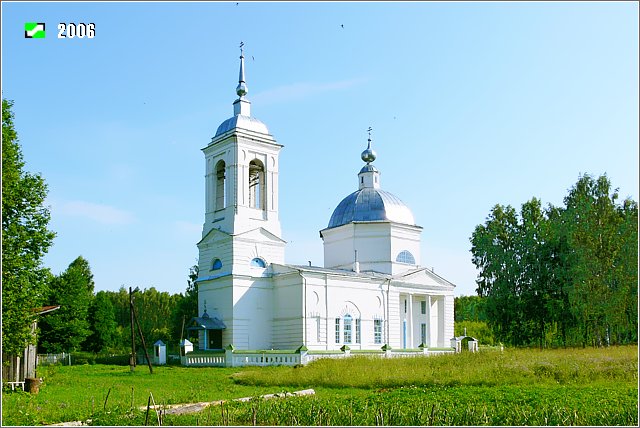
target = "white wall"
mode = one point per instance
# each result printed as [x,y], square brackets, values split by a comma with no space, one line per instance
[218,294]
[287,311]
[378,245]
[252,313]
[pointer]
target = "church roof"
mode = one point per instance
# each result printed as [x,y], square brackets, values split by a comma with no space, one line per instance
[370,204]
[205,322]
[364,274]
[243,122]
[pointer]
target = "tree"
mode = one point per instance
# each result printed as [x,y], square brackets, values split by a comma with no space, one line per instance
[494,249]
[563,275]
[187,307]
[68,327]
[102,320]
[25,240]
[603,259]
[470,308]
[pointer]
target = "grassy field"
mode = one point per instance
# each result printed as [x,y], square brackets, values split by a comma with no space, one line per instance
[514,387]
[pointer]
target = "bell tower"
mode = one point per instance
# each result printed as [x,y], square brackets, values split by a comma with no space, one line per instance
[241,177]
[241,192]
[241,230]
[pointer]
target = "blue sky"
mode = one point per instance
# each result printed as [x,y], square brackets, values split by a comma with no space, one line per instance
[471,104]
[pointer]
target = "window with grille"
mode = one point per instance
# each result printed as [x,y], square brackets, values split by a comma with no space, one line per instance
[347,328]
[406,257]
[377,331]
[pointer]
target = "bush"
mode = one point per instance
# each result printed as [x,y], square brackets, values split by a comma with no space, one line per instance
[116,360]
[478,329]
[79,358]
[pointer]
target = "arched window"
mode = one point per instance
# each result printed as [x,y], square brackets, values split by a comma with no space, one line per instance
[347,328]
[216,264]
[258,262]
[406,257]
[220,185]
[256,185]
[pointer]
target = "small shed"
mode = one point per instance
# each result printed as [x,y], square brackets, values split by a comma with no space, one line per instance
[16,368]
[464,343]
[209,329]
[159,353]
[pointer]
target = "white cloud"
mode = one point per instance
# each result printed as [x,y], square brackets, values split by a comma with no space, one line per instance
[104,214]
[296,91]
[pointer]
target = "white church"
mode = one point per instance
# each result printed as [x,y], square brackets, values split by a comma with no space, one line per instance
[371,291]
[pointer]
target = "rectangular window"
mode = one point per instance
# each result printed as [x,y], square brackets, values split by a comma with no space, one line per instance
[318,329]
[377,331]
[405,306]
[423,307]
[357,330]
[347,329]
[423,333]
[337,330]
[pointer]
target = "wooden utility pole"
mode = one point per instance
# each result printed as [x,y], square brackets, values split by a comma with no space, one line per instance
[144,345]
[132,358]
[182,330]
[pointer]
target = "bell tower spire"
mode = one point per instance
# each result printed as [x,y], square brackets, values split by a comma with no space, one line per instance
[242,106]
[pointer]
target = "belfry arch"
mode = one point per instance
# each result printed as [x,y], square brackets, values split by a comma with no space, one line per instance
[257,188]
[221,198]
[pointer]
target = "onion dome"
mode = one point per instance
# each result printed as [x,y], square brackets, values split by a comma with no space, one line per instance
[369,202]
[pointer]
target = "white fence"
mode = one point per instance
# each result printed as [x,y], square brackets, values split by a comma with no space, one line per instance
[231,358]
[64,358]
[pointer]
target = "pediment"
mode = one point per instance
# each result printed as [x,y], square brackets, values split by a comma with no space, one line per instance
[259,234]
[422,277]
[214,236]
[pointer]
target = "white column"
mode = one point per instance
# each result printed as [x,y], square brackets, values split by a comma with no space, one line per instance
[410,322]
[428,315]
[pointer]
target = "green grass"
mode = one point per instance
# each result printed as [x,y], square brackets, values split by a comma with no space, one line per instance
[514,387]
[490,368]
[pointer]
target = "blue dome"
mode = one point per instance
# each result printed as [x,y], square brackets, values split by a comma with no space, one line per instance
[369,204]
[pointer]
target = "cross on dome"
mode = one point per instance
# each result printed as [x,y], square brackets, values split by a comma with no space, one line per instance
[368,155]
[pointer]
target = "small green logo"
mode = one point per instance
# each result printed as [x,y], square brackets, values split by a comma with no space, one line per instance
[34,30]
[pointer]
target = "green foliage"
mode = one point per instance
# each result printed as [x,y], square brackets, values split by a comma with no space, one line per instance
[477,329]
[603,237]
[102,319]
[186,307]
[515,387]
[561,276]
[68,327]
[117,360]
[155,311]
[25,240]
[470,308]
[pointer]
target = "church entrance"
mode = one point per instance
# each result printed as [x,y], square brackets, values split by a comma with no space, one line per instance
[214,339]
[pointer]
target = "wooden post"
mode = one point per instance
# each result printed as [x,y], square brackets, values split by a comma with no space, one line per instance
[144,345]
[132,358]
[182,330]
